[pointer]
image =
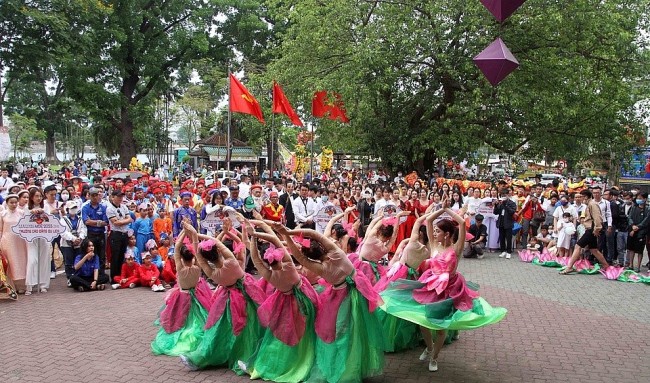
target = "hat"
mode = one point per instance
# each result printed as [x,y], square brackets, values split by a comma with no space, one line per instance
[164,236]
[212,191]
[233,188]
[143,206]
[128,254]
[115,193]
[185,193]
[273,194]
[71,205]
[94,190]
[256,186]
[146,254]
[249,203]
[129,233]
[367,192]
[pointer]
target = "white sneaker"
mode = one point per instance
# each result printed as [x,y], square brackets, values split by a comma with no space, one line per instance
[132,286]
[242,366]
[188,363]
[433,365]
[69,283]
[425,354]
[161,288]
[508,255]
[502,255]
[53,275]
[115,286]
[154,288]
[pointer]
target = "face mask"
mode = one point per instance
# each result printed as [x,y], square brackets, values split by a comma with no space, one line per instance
[628,202]
[65,197]
[564,203]
[73,211]
[504,198]
[324,198]
[640,201]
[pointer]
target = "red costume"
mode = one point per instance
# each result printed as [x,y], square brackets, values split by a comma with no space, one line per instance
[273,213]
[169,271]
[130,273]
[147,273]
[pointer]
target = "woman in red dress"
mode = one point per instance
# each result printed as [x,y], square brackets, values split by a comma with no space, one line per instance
[420,205]
[403,229]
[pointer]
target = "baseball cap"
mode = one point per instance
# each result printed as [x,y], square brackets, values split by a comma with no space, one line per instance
[249,203]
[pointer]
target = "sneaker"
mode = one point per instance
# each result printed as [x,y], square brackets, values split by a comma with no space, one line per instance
[425,354]
[433,365]
[508,255]
[132,286]
[161,288]
[115,286]
[43,290]
[53,275]
[154,288]
[69,284]
[456,335]
[480,256]
[242,366]
[188,363]
[502,254]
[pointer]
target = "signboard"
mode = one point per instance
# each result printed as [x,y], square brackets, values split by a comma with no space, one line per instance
[324,215]
[214,222]
[391,210]
[32,226]
[637,166]
[486,208]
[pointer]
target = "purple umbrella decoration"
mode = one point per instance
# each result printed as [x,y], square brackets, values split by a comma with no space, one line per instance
[502,9]
[496,62]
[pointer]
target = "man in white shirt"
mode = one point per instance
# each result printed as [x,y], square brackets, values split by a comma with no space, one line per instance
[304,208]
[5,183]
[578,205]
[244,186]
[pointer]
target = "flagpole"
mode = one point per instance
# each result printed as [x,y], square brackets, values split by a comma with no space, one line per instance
[311,158]
[228,132]
[272,144]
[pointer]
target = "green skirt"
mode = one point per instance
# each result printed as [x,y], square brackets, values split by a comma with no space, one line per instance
[278,362]
[185,339]
[221,348]
[439,315]
[358,350]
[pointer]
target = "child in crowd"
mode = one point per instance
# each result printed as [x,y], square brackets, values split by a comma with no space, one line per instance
[130,275]
[162,224]
[152,248]
[143,226]
[163,246]
[133,249]
[565,229]
[169,273]
[535,245]
[149,274]
[544,237]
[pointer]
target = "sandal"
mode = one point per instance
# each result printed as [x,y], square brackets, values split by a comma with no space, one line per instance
[28,293]
[568,271]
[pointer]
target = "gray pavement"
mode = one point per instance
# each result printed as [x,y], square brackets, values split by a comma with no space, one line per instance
[559,329]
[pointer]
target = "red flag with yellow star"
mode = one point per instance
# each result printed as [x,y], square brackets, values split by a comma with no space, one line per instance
[281,105]
[322,105]
[242,101]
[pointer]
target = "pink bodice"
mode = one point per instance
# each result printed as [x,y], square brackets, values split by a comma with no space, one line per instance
[228,273]
[285,278]
[373,249]
[336,267]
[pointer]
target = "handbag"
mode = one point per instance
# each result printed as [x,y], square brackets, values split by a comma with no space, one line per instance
[539,215]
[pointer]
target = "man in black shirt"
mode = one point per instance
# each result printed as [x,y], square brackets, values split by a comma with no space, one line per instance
[285,201]
[475,247]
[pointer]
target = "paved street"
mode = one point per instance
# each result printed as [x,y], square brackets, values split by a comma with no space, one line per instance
[574,328]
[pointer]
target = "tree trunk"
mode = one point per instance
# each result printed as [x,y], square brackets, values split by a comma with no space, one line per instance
[270,149]
[127,148]
[2,100]
[50,148]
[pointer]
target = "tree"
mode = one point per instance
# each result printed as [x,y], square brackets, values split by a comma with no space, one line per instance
[406,75]
[22,132]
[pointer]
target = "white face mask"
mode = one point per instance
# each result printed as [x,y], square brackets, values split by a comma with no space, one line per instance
[73,211]
[65,197]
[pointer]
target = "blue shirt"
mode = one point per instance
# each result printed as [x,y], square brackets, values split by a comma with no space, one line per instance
[236,204]
[88,268]
[96,214]
[180,214]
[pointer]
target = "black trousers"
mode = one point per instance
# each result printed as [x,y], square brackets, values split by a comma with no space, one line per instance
[505,240]
[85,282]
[99,240]
[119,242]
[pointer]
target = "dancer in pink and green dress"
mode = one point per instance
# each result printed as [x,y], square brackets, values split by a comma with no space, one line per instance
[349,346]
[232,329]
[440,300]
[186,306]
[286,352]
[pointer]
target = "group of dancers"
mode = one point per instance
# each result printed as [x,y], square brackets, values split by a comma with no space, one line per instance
[325,309]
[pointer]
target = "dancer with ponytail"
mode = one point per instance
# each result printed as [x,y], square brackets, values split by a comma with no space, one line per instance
[186,306]
[349,347]
[232,328]
[440,300]
[286,352]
